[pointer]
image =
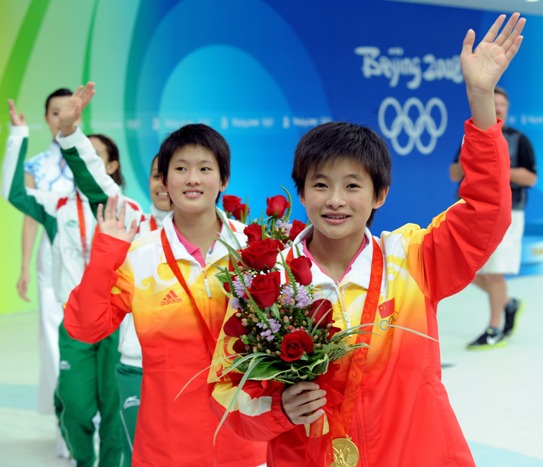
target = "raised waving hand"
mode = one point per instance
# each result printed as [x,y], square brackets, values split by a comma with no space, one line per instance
[71,112]
[112,224]
[17,119]
[483,66]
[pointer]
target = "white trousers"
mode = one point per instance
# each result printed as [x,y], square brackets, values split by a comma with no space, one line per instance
[51,314]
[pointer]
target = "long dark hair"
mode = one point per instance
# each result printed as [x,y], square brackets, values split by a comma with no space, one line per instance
[113,155]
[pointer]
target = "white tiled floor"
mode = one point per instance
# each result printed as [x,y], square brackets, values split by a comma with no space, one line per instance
[496,393]
[26,438]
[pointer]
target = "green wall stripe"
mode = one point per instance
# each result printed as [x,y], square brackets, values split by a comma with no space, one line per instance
[22,49]
[87,65]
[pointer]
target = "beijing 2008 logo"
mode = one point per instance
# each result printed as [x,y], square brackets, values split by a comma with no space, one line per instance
[413,119]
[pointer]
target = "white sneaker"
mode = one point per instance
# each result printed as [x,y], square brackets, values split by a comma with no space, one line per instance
[61,449]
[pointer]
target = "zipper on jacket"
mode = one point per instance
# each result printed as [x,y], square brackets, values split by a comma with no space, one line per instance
[206,284]
[343,308]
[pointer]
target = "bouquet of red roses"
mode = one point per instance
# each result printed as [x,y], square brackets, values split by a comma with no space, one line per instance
[278,327]
[280,331]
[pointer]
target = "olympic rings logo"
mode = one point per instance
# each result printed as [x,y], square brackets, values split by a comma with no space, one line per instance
[413,129]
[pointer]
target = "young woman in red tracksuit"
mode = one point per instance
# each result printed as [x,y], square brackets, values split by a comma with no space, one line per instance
[166,279]
[385,405]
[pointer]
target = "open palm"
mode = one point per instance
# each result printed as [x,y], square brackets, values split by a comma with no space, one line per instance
[71,112]
[483,67]
[15,118]
[112,224]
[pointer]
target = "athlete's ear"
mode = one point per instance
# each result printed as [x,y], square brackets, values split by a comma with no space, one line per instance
[381,198]
[302,198]
[112,167]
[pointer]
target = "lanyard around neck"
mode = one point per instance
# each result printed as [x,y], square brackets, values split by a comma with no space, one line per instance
[356,369]
[82,226]
[177,272]
[343,403]
[152,223]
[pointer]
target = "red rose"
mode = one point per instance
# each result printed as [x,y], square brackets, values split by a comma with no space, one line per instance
[233,206]
[296,228]
[241,212]
[301,269]
[277,205]
[262,254]
[239,347]
[233,327]
[321,309]
[332,331]
[231,203]
[253,232]
[265,289]
[295,344]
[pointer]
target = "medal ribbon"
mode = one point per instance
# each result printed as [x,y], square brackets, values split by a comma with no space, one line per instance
[208,337]
[352,389]
[340,421]
[82,226]
[152,223]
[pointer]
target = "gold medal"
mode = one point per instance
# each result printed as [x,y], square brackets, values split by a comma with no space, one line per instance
[345,453]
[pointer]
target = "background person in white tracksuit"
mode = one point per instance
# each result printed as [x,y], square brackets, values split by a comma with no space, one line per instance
[47,171]
[86,384]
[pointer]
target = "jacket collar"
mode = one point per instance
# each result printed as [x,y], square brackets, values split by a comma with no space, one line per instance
[360,271]
[231,233]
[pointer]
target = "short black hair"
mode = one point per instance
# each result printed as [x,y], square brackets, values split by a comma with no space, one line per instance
[61,92]
[195,134]
[334,141]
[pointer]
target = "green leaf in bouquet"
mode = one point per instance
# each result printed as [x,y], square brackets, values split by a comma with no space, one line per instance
[384,325]
[354,330]
[235,256]
[291,279]
[276,313]
[191,380]
[232,235]
[286,216]
[313,368]
[242,363]
[336,351]
[225,277]
[267,369]
[242,382]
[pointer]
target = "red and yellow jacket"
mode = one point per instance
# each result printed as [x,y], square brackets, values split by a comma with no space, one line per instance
[402,417]
[122,278]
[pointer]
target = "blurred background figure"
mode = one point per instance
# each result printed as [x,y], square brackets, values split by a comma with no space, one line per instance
[47,171]
[505,310]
